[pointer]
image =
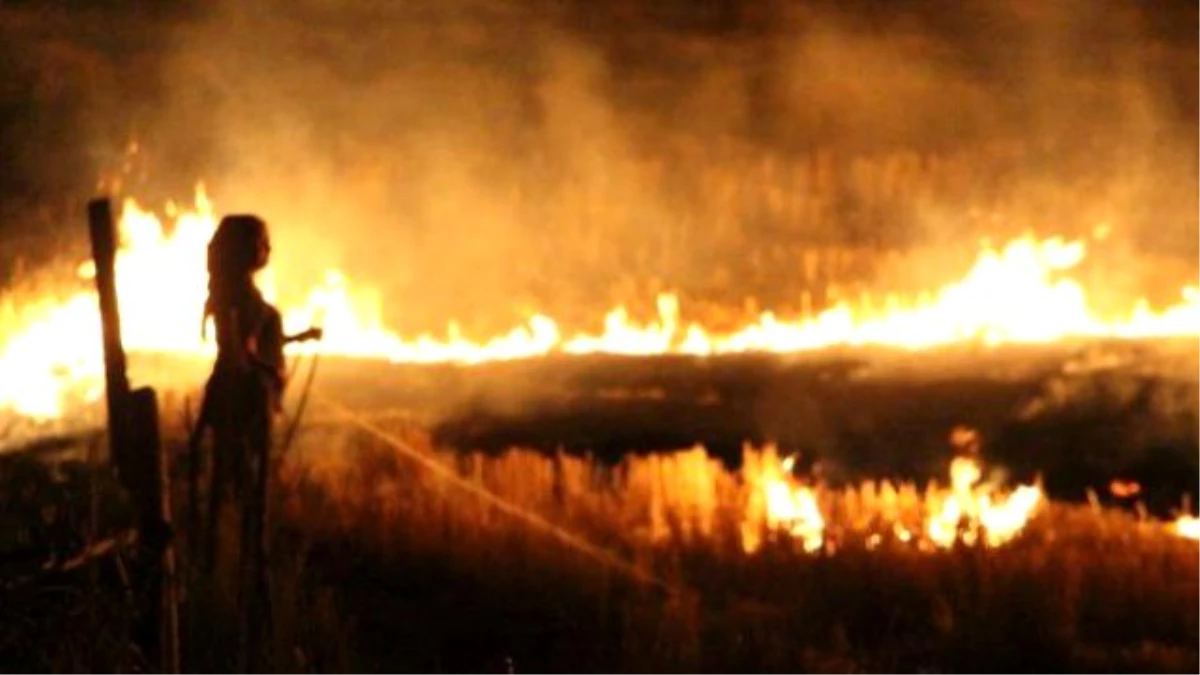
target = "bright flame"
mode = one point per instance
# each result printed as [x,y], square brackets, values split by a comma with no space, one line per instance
[50,349]
[968,512]
[1124,489]
[778,503]
[972,510]
[1187,526]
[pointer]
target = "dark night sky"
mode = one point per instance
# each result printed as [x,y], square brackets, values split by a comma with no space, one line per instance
[78,77]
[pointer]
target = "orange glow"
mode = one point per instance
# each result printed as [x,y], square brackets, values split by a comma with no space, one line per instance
[968,513]
[50,354]
[1187,526]
[778,503]
[1124,489]
[971,510]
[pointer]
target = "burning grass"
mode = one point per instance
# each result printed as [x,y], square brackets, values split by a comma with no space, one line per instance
[1027,291]
[439,578]
[380,563]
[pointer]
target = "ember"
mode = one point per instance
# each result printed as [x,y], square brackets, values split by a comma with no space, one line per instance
[1124,489]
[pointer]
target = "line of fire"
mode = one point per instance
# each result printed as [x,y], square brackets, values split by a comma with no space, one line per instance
[599,335]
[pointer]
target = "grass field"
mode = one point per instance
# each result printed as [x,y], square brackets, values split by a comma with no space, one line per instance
[437,578]
[381,563]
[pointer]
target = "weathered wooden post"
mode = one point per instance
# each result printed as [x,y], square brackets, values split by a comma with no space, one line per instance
[104,254]
[136,451]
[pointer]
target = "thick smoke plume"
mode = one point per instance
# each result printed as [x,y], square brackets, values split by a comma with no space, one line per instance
[476,159]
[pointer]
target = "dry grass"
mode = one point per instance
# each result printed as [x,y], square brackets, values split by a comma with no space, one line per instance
[1082,589]
[51,619]
[377,564]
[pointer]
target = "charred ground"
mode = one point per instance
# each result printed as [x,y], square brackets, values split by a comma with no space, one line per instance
[1077,415]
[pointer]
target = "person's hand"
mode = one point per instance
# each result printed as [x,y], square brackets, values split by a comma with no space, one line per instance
[310,334]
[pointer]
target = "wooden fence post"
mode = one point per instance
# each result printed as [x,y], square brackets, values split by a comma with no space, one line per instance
[136,451]
[104,254]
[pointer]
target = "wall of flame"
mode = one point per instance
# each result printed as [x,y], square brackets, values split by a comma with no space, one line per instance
[1020,292]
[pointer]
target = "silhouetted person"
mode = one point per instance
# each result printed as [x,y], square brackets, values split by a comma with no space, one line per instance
[246,384]
[241,399]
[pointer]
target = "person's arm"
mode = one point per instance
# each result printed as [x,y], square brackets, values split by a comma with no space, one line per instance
[304,336]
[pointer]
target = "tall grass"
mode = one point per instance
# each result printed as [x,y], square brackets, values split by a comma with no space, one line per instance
[1080,589]
[379,564]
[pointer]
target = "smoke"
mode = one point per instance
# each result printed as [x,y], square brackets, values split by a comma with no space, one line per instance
[460,157]
[480,160]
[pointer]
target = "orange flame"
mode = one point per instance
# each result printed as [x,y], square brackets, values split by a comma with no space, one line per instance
[779,504]
[1124,489]
[50,354]
[971,510]
[967,513]
[1187,527]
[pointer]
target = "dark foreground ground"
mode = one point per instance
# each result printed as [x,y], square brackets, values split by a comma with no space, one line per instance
[379,565]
